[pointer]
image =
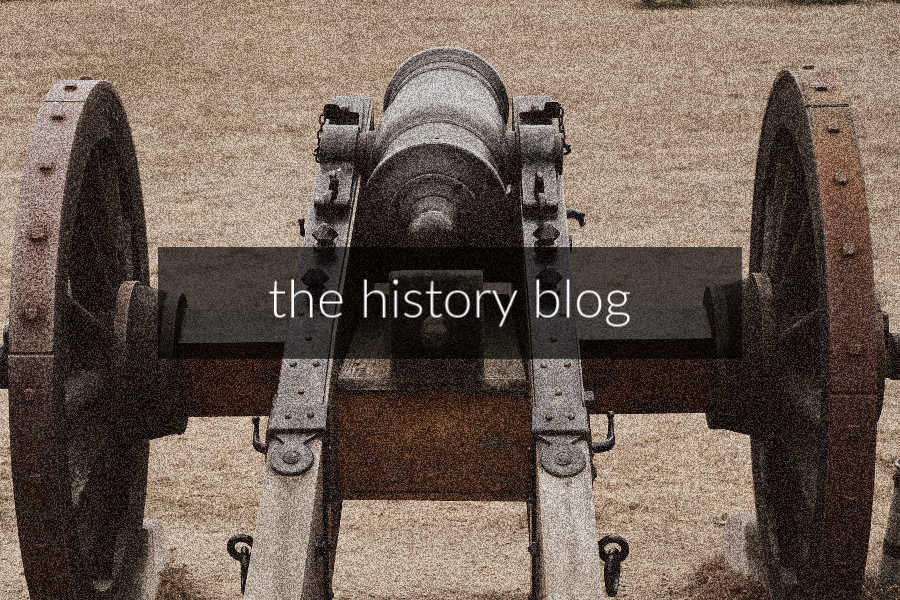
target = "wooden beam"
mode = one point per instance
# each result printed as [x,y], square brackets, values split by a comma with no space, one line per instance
[648,385]
[285,562]
[568,560]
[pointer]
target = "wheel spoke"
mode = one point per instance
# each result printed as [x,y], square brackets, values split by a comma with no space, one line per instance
[800,324]
[89,421]
[95,326]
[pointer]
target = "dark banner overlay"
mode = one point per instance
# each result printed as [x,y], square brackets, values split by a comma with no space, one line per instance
[443,303]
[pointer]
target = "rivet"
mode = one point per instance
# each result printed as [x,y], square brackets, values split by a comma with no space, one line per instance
[552,339]
[310,415]
[70,87]
[58,115]
[308,338]
[316,363]
[543,365]
[820,87]
[832,128]
[288,417]
[557,393]
[809,67]
[840,178]
[32,311]
[548,416]
[848,249]
[567,365]
[301,392]
[293,363]
[37,232]
[571,416]
[45,167]
[291,457]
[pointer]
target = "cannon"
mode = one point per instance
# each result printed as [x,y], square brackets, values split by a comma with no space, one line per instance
[793,354]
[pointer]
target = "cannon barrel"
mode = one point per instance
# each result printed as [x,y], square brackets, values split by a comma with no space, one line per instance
[440,151]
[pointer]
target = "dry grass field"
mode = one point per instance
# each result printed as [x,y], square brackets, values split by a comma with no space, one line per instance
[663,108]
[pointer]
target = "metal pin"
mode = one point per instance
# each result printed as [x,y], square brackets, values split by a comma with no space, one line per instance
[840,178]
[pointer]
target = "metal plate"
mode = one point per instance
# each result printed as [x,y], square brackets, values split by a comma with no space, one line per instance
[79,485]
[813,466]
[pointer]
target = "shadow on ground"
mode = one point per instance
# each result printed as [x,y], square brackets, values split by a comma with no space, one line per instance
[176,584]
[715,580]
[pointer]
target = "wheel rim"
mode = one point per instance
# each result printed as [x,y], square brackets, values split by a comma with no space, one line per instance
[79,482]
[813,459]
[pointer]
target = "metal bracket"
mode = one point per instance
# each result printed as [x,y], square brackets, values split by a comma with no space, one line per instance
[559,417]
[560,457]
[300,408]
[290,456]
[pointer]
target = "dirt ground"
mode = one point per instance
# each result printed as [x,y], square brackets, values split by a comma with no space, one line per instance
[663,109]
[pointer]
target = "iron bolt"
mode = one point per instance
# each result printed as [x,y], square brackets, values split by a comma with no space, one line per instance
[325,234]
[832,128]
[546,234]
[848,249]
[315,278]
[36,232]
[291,457]
[840,178]
[563,458]
[31,312]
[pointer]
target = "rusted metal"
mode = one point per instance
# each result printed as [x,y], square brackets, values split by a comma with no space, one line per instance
[78,484]
[814,442]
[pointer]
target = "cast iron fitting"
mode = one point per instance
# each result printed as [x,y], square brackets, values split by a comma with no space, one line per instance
[444,126]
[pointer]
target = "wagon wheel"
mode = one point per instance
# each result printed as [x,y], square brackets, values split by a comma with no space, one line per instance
[79,472]
[812,327]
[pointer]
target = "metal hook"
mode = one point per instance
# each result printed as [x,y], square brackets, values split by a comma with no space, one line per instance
[612,561]
[258,444]
[610,440]
[242,555]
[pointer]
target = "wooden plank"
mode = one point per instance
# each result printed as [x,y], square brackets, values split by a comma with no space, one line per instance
[435,445]
[648,385]
[229,387]
[568,561]
[284,563]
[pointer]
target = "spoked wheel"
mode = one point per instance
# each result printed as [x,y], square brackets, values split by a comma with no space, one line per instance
[812,328]
[79,463]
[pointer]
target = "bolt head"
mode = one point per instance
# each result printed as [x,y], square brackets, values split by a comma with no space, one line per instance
[563,458]
[546,234]
[314,278]
[291,457]
[324,234]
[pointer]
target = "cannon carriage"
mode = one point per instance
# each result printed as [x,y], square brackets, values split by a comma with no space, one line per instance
[794,354]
